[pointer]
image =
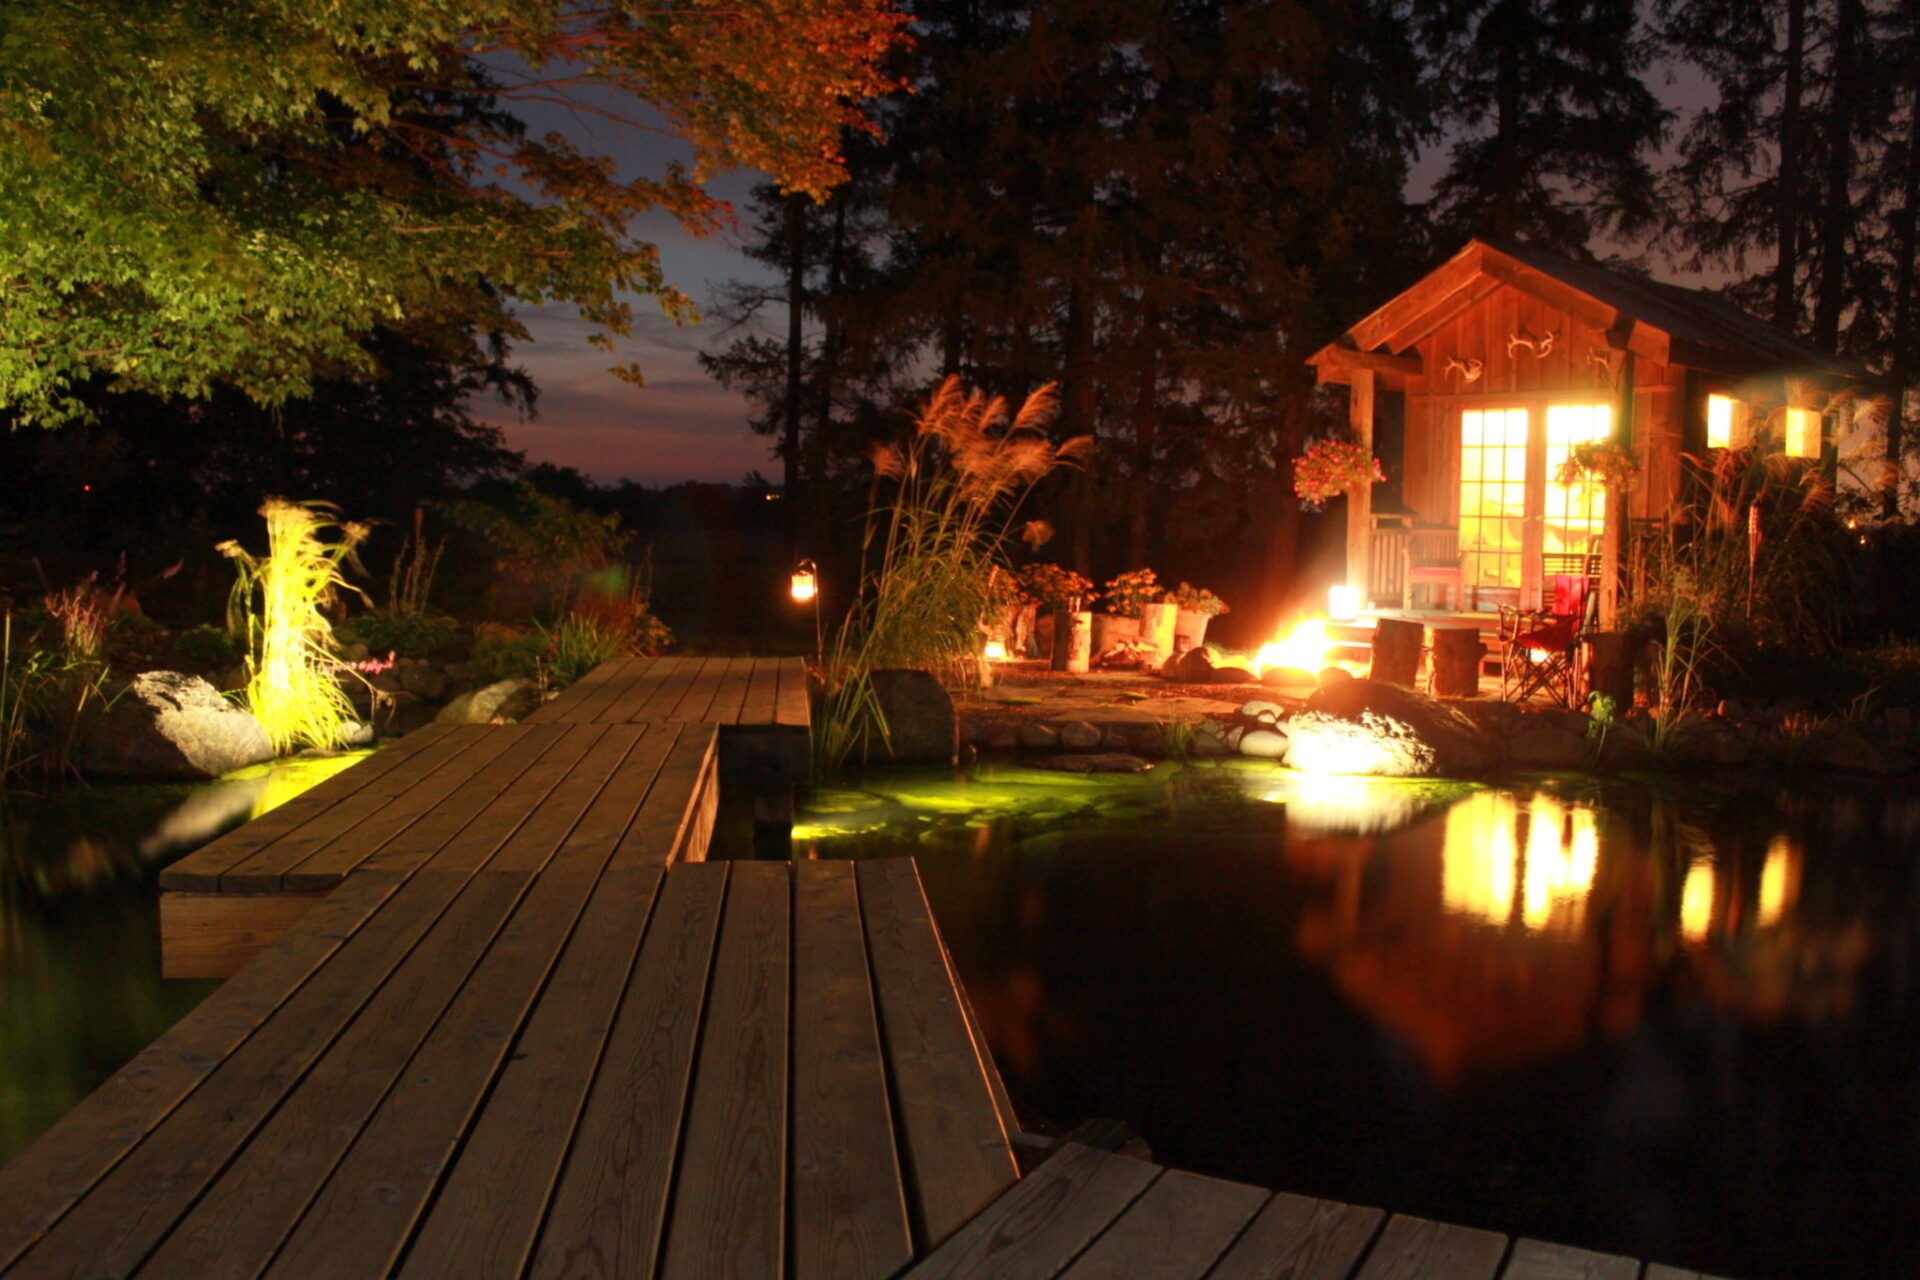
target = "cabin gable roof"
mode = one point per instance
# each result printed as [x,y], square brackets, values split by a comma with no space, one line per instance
[1662,322]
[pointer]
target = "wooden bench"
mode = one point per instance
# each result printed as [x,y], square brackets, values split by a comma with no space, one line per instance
[535,1049]
[1088,1214]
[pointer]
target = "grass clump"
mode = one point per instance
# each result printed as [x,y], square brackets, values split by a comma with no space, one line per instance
[944,500]
[279,602]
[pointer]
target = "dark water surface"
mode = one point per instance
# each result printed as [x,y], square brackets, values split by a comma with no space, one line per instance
[1678,1021]
[80,985]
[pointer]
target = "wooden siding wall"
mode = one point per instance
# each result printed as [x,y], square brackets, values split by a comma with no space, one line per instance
[1569,372]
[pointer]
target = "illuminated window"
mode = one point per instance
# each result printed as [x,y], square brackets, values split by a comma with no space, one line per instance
[1726,422]
[1493,495]
[1576,513]
[1803,433]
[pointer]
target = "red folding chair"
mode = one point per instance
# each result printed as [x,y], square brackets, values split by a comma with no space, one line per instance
[1540,649]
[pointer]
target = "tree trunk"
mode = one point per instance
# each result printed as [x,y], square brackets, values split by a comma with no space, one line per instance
[1836,199]
[1076,414]
[1906,227]
[796,347]
[1786,311]
[1457,652]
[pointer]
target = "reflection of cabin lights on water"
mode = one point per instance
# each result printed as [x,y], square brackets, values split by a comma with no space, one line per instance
[1696,901]
[1482,863]
[1779,880]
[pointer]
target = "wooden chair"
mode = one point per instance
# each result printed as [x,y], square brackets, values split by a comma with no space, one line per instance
[1433,561]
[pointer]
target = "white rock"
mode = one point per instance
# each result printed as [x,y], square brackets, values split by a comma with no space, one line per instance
[1264,743]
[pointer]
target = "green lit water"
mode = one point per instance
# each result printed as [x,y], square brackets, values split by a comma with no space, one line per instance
[80,985]
[1679,1022]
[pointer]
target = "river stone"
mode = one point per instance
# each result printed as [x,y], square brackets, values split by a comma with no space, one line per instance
[1233,675]
[1264,712]
[1194,666]
[1457,746]
[1370,743]
[921,726]
[1101,762]
[1078,735]
[423,679]
[502,702]
[1039,737]
[1209,739]
[995,735]
[1266,744]
[168,725]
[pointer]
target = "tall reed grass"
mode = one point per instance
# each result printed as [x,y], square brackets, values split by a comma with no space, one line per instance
[279,603]
[944,501]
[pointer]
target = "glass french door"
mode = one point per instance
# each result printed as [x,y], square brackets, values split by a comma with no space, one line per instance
[1513,510]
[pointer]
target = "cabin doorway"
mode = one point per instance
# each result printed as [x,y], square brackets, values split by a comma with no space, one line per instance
[1519,526]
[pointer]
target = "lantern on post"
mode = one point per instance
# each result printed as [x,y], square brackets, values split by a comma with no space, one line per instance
[806,581]
[804,587]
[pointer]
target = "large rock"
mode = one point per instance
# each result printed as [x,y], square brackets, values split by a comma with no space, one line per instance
[167,725]
[1195,666]
[502,702]
[1541,742]
[921,728]
[1370,727]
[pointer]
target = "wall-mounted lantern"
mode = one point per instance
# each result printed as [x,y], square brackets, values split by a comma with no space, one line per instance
[1803,433]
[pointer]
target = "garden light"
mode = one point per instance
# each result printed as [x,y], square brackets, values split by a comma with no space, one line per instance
[806,581]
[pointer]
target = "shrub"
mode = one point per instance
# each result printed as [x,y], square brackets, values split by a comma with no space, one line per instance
[206,648]
[1056,587]
[406,635]
[502,653]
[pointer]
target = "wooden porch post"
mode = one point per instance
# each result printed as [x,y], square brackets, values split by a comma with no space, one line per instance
[1360,497]
[1619,510]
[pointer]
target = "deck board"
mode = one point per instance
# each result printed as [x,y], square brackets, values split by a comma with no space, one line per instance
[1057,1211]
[1177,1230]
[1535,1260]
[850,1210]
[372,1200]
[201,872]
[1416,1249]
[729,1200]
[319,854]
[954,1143]
[1301,1239]
[610,1206]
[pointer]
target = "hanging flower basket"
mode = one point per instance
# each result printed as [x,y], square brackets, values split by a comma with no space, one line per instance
[1330,468]
[1605,462]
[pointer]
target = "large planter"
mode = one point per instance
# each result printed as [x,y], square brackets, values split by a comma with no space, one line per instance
[1190,629]
[1110,629]
[1157,623]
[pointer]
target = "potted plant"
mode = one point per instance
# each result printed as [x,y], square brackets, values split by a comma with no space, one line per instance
[1053,589]
[1126,595]
[1331,467]
[1198,607]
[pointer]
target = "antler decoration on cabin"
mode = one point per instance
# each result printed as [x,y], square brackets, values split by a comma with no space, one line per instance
[1602,361]
[1469,369]
[1523,337]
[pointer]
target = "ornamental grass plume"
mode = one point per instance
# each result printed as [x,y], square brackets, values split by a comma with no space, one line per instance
[931,546]
[279,603]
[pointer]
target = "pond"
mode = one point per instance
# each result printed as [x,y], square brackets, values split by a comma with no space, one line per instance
[1678,1021]
[80,985]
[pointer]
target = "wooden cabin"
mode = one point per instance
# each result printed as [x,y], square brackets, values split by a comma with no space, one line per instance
[1473,386]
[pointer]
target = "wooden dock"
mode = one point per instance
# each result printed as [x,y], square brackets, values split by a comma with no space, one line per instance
[745,719]
[520,1028]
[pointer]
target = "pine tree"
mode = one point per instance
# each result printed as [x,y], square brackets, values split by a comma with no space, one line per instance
[1556,124]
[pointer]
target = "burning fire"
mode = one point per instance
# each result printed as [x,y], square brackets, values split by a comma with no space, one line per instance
[1305,648]
[1310,647]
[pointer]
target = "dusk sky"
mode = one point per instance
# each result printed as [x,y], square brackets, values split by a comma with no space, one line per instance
[682,425]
